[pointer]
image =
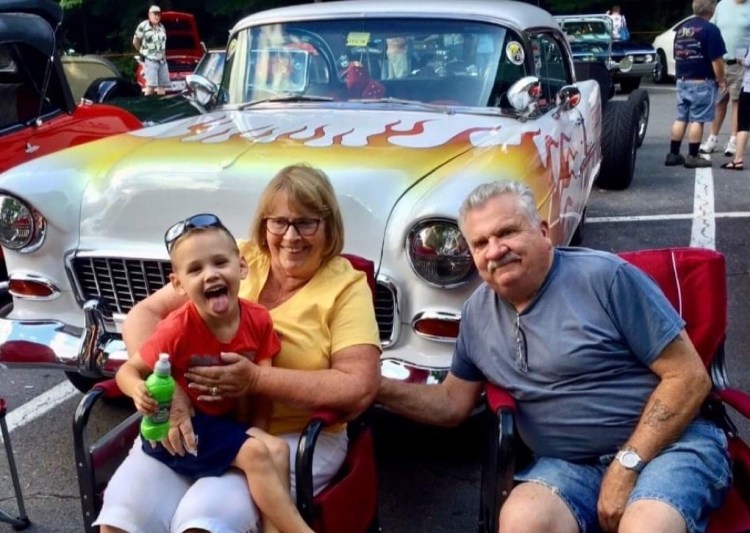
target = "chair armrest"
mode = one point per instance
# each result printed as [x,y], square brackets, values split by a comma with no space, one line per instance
[736,399]
[96,462]
[499,463]
[304,458]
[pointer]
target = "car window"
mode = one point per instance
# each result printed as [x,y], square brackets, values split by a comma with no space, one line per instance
[430,61]
[550,66]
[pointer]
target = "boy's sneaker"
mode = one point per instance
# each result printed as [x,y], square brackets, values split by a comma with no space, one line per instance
[696,161]
[710,145]
[731,147]
[674,160]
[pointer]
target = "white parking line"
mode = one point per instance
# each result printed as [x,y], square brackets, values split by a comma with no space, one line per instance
[40,405]
[703,233]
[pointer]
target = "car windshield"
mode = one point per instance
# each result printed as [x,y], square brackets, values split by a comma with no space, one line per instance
[371,61]
[586,30]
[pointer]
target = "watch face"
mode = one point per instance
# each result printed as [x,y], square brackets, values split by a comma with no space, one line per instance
[629,460]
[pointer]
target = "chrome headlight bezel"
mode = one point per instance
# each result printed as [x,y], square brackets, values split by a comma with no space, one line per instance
[448,251]
[13,210]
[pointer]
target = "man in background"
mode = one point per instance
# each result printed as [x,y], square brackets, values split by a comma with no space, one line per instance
[699,69]
[150,40]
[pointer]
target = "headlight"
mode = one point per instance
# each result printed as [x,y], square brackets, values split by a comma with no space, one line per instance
[439,254]
[626,63]
[21,227]
[649,58]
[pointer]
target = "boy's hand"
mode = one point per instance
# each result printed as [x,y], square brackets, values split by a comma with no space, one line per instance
[144,403]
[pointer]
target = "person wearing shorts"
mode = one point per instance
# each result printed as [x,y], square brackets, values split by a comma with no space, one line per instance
[608,386]
[150,40]
[699,68]
[732,17]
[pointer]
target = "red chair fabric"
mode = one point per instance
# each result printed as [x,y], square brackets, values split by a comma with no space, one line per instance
[694,281]
[347,505]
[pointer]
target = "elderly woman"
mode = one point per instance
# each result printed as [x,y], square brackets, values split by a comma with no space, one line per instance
[322,309]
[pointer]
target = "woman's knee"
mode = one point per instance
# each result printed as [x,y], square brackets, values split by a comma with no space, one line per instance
[279,450]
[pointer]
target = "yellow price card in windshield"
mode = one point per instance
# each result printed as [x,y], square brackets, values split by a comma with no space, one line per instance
[357,38]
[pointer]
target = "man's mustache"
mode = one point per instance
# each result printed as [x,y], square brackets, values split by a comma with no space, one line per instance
[507,258]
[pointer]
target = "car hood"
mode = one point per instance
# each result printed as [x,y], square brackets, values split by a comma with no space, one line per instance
[141,182]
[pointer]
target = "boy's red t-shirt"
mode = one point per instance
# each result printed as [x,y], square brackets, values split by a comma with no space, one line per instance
[186,338]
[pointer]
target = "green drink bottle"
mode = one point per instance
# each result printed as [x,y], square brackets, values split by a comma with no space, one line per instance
[160,385]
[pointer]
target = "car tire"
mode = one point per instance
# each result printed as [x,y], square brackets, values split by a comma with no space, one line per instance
[82,383]
[660,75]
[619,139]
[643,109]
[628,85]
[577,238]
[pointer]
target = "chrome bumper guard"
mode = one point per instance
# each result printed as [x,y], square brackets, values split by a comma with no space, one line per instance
[91,351]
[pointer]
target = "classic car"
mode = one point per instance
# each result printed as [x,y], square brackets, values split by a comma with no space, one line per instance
[184,49]
[487,89]
[590,39]
[664,46]
[38,112]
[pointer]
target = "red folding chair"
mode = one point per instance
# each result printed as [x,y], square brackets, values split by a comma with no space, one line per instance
[694,281]
[21,521]
[349,504]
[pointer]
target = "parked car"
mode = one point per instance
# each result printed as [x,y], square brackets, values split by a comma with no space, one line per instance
[184,49]
[664,45]
[591,39]
[154,109]
[489,92]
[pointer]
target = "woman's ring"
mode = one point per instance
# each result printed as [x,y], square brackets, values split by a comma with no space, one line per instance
[214,391]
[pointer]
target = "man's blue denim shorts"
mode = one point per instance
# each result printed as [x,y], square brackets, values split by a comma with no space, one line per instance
[692,475]
[696,100]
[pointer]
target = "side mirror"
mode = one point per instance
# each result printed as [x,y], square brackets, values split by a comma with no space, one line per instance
[568,97]
[523,95]
[201,90]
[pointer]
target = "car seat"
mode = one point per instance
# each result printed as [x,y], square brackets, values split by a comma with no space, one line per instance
[694,281]
[349,504]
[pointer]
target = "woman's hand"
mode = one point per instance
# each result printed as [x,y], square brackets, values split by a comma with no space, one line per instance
[234,379]
[181,438]
[144,403]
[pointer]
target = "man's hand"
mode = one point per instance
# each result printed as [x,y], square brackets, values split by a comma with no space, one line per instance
[144,403]
[236,378]
[616,487]
[181,438]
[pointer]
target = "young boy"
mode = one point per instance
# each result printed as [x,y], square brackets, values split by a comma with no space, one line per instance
[207,269]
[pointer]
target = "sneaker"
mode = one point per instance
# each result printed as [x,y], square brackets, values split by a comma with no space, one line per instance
[696,161]
[710,145]
[731,147]
[674,160]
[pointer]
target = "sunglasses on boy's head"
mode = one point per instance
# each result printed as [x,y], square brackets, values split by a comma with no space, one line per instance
[204,220]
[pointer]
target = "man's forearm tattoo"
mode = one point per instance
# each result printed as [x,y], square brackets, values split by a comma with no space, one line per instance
[657,414]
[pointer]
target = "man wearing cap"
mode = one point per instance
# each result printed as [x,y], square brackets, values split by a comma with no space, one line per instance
[150,40]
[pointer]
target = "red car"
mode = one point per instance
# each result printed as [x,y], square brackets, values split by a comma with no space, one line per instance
[184,49]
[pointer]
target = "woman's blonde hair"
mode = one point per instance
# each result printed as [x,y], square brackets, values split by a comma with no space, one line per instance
[307,188]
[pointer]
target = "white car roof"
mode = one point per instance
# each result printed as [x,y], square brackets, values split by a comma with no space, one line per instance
[518,15]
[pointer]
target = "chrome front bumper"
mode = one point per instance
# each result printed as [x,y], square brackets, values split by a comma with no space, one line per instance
[93,351]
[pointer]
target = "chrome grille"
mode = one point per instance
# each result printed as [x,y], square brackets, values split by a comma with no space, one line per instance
[121,283]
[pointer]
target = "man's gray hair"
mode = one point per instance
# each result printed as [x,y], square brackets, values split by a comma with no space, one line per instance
[487,191]
[704,7]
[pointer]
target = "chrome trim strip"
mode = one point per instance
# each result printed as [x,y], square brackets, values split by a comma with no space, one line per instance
[401,370]
[445,316]
[391,286]
[25,275]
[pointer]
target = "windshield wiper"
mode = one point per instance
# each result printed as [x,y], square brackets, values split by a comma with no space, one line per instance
[286,98]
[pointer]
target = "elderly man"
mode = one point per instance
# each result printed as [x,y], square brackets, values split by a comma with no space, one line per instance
[608,384]
[150,40]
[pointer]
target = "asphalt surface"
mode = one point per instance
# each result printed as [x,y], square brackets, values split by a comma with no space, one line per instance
[429,477]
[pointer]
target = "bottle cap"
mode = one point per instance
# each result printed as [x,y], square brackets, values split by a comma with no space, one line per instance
[162,365]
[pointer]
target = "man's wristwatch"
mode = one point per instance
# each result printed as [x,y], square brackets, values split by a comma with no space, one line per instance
[630,460]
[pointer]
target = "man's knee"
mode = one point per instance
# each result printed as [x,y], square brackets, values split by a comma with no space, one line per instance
[532,507]
[651,515]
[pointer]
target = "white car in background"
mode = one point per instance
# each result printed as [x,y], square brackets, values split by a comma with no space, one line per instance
[664,44]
